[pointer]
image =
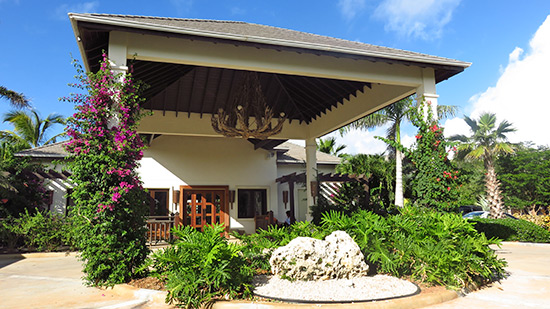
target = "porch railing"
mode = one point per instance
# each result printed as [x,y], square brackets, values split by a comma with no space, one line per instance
[158,228]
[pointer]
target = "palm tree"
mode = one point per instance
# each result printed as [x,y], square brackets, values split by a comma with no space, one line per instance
[16,99]
[29,129]
[329,146]
[393,115]
[486,143]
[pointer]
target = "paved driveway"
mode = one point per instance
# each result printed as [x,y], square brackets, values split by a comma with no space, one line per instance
[528,285]
[54,281]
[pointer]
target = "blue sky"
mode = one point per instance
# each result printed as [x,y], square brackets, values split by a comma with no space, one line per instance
[507,41]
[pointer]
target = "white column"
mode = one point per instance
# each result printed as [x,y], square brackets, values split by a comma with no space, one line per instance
[118,50]
[311,172]
[427,91]
[117,53]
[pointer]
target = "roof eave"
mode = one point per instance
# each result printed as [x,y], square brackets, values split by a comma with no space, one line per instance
[75,17]
[76,32]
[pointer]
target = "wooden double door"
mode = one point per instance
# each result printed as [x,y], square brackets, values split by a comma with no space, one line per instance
[204,205]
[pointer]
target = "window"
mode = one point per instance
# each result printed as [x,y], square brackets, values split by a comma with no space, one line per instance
[158,202]
[252,202]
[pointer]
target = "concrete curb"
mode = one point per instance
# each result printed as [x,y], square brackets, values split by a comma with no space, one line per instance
[143,296]
[416,301]
[528,244]
[154,297]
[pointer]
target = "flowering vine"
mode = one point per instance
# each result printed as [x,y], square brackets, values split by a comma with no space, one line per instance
[436,179]
[104,152]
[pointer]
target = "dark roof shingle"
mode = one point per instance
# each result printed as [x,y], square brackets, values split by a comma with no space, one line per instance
[243,31]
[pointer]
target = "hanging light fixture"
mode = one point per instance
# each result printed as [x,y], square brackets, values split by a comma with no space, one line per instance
[248,115]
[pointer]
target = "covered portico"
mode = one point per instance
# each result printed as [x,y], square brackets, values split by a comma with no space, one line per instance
[194,68]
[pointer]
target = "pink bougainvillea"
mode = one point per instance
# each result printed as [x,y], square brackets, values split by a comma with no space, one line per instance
[104,153]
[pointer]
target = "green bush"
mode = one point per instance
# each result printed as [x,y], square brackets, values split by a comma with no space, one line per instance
[428,246]
[36,232]
[512,230]
[10,234]
[201,266]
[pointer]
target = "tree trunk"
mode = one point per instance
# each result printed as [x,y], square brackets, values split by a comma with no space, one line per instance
[399,178]
[494,198]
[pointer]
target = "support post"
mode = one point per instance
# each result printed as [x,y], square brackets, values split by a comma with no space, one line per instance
[311,173]
[427,91]
[291,200]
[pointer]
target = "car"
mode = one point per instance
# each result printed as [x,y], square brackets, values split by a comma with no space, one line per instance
[469,208]
[484,214]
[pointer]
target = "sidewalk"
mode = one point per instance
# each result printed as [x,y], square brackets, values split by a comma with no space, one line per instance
[54,281]
[528,285]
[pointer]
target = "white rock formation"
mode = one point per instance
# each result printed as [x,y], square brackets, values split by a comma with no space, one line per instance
[304,258]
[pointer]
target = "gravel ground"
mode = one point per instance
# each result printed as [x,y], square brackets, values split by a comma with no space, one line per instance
[335,290]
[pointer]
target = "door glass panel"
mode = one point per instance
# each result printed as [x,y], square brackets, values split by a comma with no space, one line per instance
[203,207]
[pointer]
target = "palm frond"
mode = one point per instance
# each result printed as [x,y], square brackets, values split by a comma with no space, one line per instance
[16,99]
[444,111]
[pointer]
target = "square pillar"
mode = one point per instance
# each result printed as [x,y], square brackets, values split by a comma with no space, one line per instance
[117,52]
[311,173]
[427,91]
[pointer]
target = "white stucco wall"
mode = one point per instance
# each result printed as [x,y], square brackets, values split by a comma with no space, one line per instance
[172,161]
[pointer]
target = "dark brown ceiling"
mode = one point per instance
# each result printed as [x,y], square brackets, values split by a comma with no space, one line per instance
[203,90]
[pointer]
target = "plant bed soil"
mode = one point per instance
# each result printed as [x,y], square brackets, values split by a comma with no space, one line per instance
[150,283]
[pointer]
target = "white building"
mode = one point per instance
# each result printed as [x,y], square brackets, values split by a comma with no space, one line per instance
[200,69]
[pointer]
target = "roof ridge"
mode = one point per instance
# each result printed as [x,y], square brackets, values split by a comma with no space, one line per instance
[169,18]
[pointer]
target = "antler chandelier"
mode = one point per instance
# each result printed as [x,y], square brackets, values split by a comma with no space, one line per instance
[248,115]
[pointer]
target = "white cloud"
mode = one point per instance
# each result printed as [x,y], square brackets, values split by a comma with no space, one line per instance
[360,141]
[520,95]
[423,19]
[85,7]
[349,8]
[455,126]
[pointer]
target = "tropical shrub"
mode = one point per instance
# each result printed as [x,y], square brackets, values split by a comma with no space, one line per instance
[202,266]
[380,173]
[40,231]
[428,246]
[512,230]
[542,220]
[525,178]
[104,152]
